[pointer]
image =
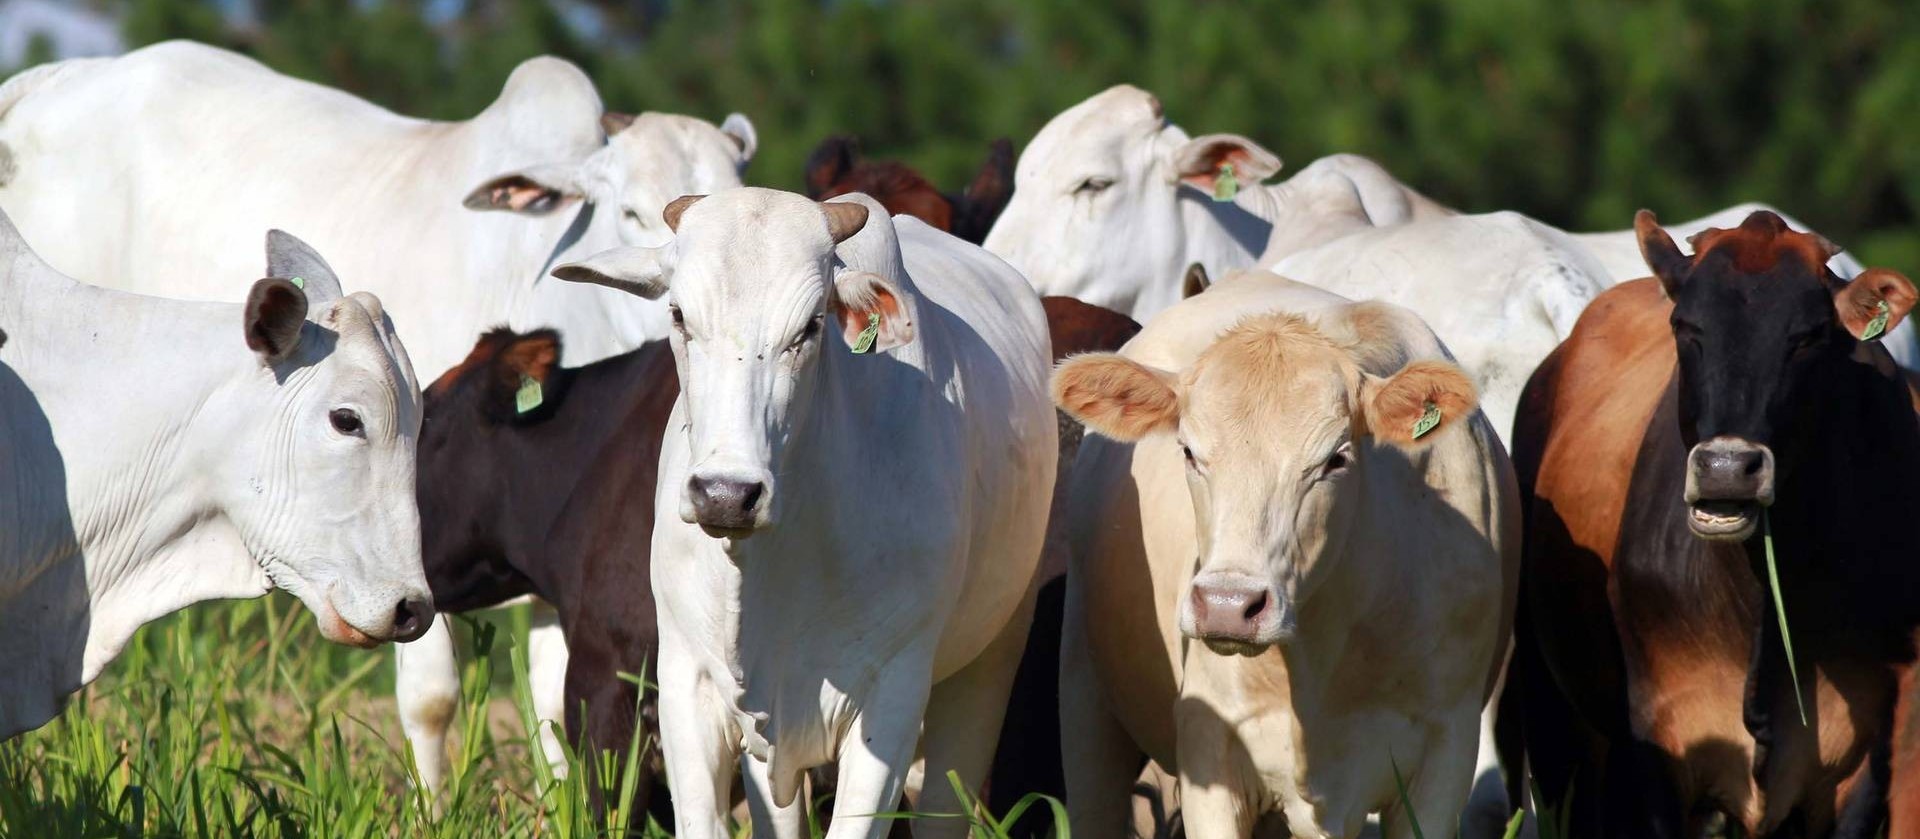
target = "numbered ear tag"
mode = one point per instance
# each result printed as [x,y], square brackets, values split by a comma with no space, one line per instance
[864,343]
[1879,323]
[1225,185]
[529,396]
[299,283]
[1429,419]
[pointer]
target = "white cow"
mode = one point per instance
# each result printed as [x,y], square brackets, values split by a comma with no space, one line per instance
[1112,202]
[852,496]
[225,147]
[158,453]
[1350,578]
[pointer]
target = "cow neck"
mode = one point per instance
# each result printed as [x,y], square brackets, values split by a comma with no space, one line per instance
[1222,235]
[1846,484]
[140,515]
[598,322]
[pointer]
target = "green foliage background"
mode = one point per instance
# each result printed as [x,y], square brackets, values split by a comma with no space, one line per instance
[1575,111]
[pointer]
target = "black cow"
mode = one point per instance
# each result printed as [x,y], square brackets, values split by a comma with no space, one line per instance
[1681,428]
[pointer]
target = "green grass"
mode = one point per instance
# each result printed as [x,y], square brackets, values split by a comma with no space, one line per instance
[237,719]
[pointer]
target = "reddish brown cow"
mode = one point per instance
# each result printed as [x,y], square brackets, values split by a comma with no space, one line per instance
[837,168]
[1686,417]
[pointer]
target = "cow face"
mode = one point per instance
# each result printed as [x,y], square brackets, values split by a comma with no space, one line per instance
[755,299]
[506,383]
[1098,195]
[314,455]
[1278,426]
[648,161]
[1757,318]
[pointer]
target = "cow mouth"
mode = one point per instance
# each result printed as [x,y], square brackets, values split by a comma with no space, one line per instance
[1234,646]
[1723,520]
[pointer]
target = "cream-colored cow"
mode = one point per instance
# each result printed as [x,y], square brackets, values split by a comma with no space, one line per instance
[1315,499]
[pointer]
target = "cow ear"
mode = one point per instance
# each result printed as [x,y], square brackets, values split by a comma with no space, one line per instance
[521,371]
[536,191]
[829,162]
[288,258]
[614,122]
[739,129]
[275,312]
[636,271]
[1117,397]
[1858,302]
[865,301]
[1201,160]
[1669,265]
[1195,281]
[992,186]
[1424,398]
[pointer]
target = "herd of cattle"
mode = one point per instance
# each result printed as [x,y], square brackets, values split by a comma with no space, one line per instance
[1294,568]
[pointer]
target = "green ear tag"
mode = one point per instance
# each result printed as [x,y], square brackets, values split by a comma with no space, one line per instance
[1879,322]
[299,283]
[1225,185]
[529,396]
[864,343]
[1429,419]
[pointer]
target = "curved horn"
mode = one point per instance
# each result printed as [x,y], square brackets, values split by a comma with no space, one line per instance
[676,207]
[844,219]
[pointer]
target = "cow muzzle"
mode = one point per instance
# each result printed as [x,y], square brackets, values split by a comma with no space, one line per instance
[1235,614]
[1729,480]
[728,503]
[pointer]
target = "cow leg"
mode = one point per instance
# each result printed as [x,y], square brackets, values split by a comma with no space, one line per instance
[426,689]
[547,670]
[875,755]
[1098,757]
[770,819]
[1439,788]
[964,713]
[694,728]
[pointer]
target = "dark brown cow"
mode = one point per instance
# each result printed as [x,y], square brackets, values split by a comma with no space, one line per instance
[837,168]
[555,501]
[1686,416]
[558,501]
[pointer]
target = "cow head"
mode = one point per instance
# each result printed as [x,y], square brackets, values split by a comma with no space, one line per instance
[1758,321]
[648,160]
[314,459]
[1100,193]
[509,380]
[1280,427]
[836,168]
[757,296]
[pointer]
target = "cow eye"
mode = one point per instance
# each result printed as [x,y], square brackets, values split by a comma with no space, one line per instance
[1337,462]
[631,215]
[345,421]
[1187,452]
[679,320]
[807,332]
[1092,186]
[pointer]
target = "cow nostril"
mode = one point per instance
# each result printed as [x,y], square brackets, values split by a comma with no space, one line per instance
[751,498]
[1753,464]
[407,617]
[1255,605]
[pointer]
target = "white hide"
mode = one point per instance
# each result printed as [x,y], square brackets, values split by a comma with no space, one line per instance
[1127,246]
[1100,212]
[150,460]
[890,581]
[1389,667]
[216,148]
[1501,290]
[207,149]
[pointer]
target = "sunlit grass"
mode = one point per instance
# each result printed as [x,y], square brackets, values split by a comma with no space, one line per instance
[237,719]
